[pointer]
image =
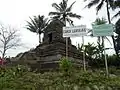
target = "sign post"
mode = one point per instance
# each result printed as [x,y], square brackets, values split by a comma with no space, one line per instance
[84,63]
[75,31]
[103,30]
[66,47]
[106,64]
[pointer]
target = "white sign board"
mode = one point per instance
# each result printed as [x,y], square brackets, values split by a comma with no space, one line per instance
[74,31]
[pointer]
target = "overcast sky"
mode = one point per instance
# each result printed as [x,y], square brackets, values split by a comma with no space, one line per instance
[16,12]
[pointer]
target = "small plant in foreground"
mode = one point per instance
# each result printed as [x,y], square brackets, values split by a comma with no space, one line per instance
[65,64]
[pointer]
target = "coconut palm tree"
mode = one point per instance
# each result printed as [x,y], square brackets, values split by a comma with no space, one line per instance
[100,3]
[37,25]
[63,12]
[100,41]
[99,21]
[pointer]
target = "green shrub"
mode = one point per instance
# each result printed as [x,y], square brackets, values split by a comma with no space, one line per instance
[19,78]
[65,64]
[113,60]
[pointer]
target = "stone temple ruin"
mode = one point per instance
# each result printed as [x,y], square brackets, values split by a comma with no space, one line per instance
[52,49]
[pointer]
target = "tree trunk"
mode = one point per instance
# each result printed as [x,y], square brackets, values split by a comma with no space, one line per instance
[102,46]
[64,21]
[39,38]
[99,43]
[3,53]
[108,14]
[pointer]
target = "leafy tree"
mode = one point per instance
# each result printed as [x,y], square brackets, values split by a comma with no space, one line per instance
[90,50]
[93,54]
[63,12]
[37,25]
[100,3]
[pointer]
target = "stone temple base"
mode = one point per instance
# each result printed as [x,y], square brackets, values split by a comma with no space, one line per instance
[48,54]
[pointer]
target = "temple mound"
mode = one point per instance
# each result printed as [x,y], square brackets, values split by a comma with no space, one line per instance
[51,50]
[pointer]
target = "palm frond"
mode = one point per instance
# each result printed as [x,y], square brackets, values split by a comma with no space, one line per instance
[55,17]
[108,48]
[55,13]
[100,6]
[62,20]
[70,21]
[57,7]
[90,32]
[69,9]
[37,21]
[74,15]
[33,22]
[92,3]
[29,23]
[63,5]
[99,21]
[31,27]
[108,40]
[116,15]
